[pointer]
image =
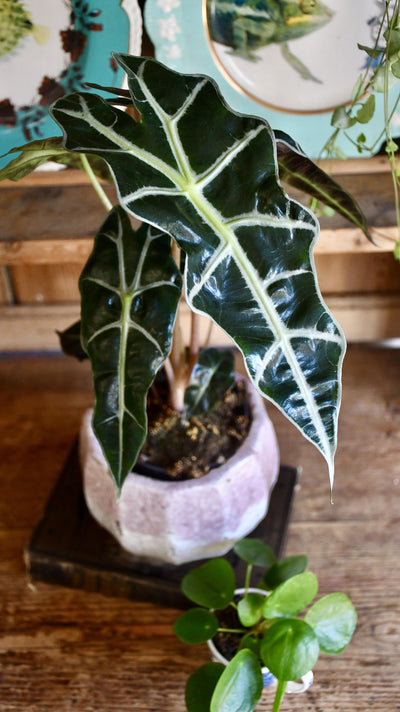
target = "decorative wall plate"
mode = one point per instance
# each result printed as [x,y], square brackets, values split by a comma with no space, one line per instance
[52,47]
[293,75]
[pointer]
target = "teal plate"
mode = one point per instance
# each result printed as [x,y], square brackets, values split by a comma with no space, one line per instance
[269,84]
[61,45]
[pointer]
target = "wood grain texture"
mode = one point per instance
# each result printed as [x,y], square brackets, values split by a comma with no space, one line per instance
[63,649]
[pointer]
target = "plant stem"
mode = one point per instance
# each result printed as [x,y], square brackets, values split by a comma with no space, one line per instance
[95,182]
[249,569]
[280,691]
[229,630]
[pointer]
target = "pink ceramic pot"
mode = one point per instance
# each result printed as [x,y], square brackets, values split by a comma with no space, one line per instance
[177,522]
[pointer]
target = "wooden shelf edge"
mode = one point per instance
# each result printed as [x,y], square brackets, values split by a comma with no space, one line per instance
[34,327]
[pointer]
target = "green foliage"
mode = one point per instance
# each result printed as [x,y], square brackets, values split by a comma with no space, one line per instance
[211,377]
[246,245]
[380,76]
[268,631]
[212,584]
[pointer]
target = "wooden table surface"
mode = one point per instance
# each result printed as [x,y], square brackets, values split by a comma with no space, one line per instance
[65,649]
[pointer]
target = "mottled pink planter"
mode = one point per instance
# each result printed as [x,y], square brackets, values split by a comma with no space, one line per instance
[176,522]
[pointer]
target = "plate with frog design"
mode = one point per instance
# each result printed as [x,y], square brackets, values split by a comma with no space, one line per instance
[289,61]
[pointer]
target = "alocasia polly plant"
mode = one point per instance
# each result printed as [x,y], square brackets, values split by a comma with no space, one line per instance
[207,177]
[279,631]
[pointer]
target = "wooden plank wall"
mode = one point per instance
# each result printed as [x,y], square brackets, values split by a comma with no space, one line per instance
[48,219]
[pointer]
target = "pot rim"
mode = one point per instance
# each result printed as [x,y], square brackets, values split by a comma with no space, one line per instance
[259,416]
[293,686]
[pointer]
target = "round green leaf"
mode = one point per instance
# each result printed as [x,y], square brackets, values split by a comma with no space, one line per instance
[250,609]
[291,596]
[283,570]
[333,619]
[201,685]
[196,626]
[290,649]
[240,686]
[211,585]
[255,552]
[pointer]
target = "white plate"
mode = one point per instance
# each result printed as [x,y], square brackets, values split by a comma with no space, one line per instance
[271,86]
[68,43]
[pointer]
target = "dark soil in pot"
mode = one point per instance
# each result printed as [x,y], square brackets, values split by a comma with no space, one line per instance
[178,449]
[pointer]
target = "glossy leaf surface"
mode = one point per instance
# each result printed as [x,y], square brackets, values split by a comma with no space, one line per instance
[211,584]
[240,686]
[291,596]
[211,377]
[297,170]
[250,609]
[290,649]
[333,619]
[208,177]
[130,288]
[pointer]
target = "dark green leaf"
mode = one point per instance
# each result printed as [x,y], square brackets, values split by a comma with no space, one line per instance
[70,341]
[371,51]
[201,685]
[197,625]
[250,609]
[366,111]
[296,169]
[130,289]
[33,155]
[283,570]
[291,596]
[333,619]
[211,377]
[240,686]
[290,649]
[248,245]
[211,585]
[255,552]
[36,153]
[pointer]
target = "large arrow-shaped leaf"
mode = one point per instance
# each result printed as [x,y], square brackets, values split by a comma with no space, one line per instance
[130,289]
[208,177]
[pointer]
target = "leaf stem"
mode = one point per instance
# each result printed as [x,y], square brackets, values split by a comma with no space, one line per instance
[280,691]
[95,182]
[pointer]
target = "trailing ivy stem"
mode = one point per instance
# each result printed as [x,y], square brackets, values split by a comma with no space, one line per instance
[390,151]
[280,691]
[95,182]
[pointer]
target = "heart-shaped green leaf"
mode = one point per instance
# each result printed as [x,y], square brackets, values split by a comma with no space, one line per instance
[211,377]
[240,686]
[291,596]
[208,177]
[211,584]
[201,685]
[130,289]
[196,626]
[333,619]
[289,649]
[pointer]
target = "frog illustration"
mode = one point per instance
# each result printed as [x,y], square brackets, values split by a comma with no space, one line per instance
[247,25]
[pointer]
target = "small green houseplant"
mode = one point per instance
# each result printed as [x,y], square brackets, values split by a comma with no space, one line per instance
[259,627]
[205,181]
